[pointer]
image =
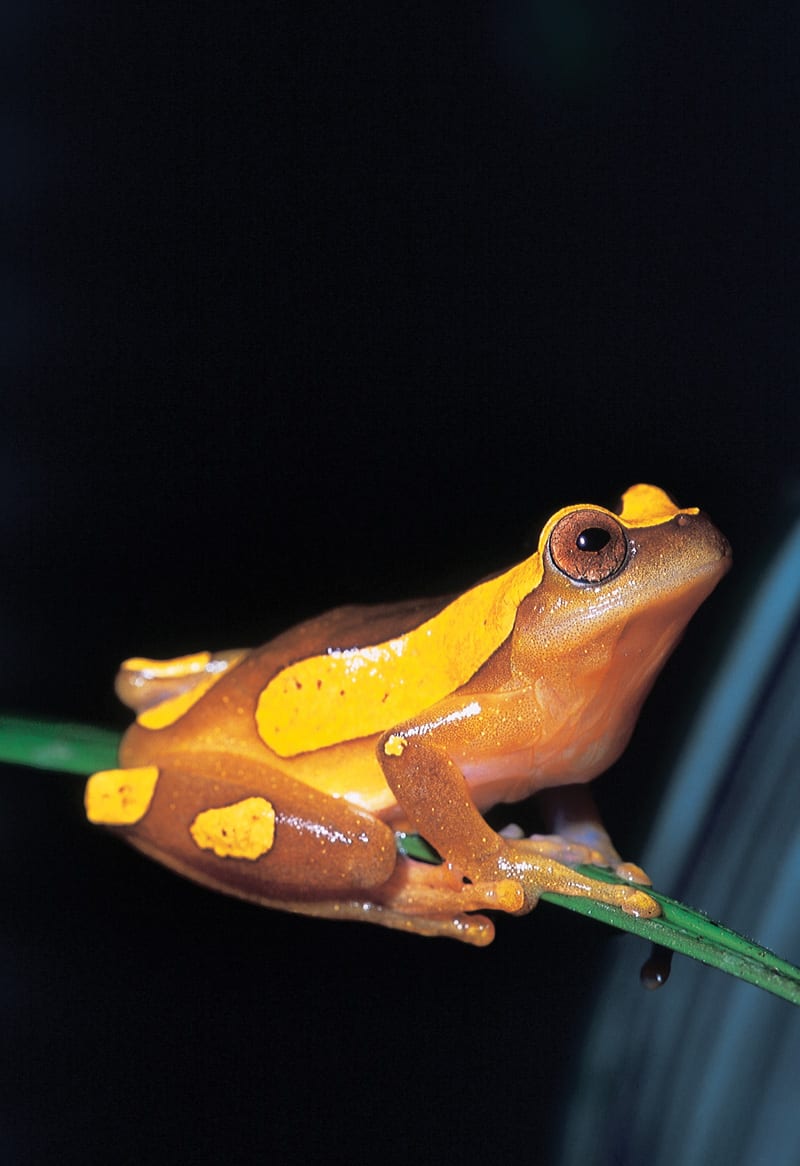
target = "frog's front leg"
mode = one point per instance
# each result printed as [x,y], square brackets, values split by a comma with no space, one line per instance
[424,762]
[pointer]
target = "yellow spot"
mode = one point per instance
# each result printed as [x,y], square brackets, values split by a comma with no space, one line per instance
[167,669]
[120,797]
[243,829]
[395,746]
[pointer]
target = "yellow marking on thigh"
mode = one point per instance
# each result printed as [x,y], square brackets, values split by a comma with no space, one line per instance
[120,797]
[167,669]
[243,829]
[169,711]
[161,691]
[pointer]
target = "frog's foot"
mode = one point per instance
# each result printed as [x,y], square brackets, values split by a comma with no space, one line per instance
[566,850]
[537,863]
[421,898]
[434,900]
[477,930]
[437,901]
[427,900]
[592,848]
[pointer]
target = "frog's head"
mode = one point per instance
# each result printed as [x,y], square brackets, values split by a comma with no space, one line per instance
[617,589]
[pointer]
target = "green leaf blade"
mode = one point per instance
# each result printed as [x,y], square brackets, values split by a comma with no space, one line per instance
[57,746]
[691,933]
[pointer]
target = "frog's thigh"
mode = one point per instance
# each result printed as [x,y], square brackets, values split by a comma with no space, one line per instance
[246,828]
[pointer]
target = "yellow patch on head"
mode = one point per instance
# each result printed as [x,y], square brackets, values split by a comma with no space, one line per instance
[642,505]
[243,829]
[120,797]
[649,506]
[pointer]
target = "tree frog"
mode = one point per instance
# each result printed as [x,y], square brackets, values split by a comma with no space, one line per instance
[282,774]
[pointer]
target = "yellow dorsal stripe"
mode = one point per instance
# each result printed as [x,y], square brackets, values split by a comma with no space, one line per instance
[354,692]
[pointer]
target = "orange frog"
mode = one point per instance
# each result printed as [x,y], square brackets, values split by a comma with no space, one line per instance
[281,774]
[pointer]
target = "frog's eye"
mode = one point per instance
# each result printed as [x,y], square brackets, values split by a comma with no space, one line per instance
[588,546]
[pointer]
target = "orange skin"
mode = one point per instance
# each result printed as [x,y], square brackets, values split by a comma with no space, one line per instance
[281,774]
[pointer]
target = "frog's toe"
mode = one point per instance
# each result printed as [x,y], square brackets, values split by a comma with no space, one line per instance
[632,873]
[567,850]
[628,898]
[638,904]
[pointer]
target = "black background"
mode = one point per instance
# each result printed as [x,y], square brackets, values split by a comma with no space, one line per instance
[320,304]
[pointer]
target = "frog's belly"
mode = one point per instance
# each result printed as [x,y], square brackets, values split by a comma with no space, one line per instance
[516,775]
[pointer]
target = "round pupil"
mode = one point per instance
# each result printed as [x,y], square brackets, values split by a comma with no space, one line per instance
[594,538]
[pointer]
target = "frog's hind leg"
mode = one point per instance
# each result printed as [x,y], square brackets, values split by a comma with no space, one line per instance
[245,828]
